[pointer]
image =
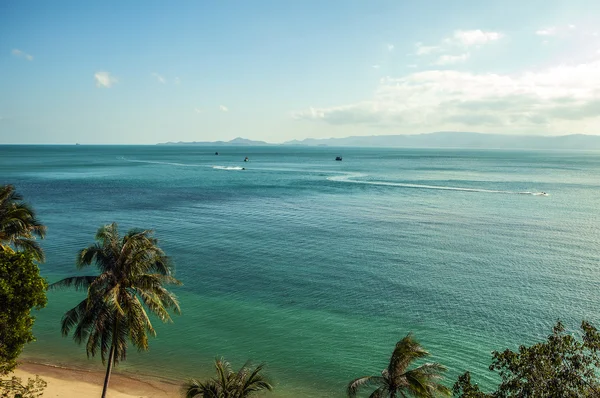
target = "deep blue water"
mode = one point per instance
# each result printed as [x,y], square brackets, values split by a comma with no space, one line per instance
[318,267]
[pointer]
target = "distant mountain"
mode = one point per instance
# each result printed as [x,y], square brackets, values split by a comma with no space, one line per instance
[460,140]
[433,140]
[236,141]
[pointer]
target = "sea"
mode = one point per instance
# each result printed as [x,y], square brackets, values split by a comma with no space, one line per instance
[318,267]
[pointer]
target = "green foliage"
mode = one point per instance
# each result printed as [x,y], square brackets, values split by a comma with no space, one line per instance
[21,289]
[18,224]
[463,388]
[133,272]
[399,381]
[14,389]
[561,367]
[229,384]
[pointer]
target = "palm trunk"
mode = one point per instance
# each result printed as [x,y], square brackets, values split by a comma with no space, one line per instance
[111,361]
[111,358]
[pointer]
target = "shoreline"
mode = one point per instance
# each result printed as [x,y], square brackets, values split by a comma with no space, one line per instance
[76,382]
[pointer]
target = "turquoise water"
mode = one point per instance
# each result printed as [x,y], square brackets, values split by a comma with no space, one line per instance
[318,267]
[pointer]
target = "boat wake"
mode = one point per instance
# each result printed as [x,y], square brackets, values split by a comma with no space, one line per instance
[157,162]
[228,168]
[351,178]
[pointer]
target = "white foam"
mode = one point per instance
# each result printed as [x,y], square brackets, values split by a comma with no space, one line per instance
[349,178]
[157,162]
[228,168]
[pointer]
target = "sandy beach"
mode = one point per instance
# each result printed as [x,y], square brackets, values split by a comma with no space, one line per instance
[77,383]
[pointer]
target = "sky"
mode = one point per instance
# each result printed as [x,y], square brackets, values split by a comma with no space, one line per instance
[143,72]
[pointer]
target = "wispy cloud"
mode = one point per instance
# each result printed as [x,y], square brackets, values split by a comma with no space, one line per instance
[177,81]
[460,40]
[546,32]
[197,110]
[375,66]
[425,50]
[104,79]
[451,59]
[475,37]
[223,108]
[556,30]
[390,47]
[159,78]
[20,54]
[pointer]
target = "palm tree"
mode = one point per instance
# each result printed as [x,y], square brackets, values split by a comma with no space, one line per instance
[18,225]
[229,384]
[133,271]
[398,381]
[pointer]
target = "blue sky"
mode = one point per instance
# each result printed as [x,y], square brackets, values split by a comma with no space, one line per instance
[154,71]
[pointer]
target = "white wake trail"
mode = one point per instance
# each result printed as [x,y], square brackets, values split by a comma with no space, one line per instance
[350,178]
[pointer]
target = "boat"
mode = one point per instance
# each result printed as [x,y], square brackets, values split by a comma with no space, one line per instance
[216,153]
[338,158]
[246,159]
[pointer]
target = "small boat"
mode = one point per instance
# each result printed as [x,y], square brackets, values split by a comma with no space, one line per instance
[216,153]
[338,158]
[246,159]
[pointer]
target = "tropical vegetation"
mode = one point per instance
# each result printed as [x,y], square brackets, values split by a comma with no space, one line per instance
[21,289]
[18,224]
[397,380]
[563,366]
[133,272]
[14,388]
[245,382]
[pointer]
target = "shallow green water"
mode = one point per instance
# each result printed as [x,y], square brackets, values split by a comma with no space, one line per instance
[318,267]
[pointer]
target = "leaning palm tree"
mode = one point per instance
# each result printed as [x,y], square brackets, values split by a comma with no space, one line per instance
[228,384]
[398,381]
[18,224]
[133,270]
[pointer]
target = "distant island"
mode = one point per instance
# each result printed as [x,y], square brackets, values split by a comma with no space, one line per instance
[433,140]
[236,141]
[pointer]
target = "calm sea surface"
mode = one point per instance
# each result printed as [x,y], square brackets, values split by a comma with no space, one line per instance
[318,267]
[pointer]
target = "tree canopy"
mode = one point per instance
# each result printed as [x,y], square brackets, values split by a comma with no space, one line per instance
[21,289]
[18,224]
[133,272]
[228,383]
[397,380]
[563,366]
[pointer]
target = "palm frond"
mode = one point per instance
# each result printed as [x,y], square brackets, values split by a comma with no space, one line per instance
[31,246]
[406,351]
[78,282]
[379,393]
[364,381]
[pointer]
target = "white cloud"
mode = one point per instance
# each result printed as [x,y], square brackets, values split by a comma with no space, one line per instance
[390,47]
[177,81]
[198,110]
[558,99]
[452,59]
[556,30]
[453,48]
[159,78]
[104,79]
[20,54]
[375,66]
[426,50]
[223,108]
[476,37]
[546,32]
